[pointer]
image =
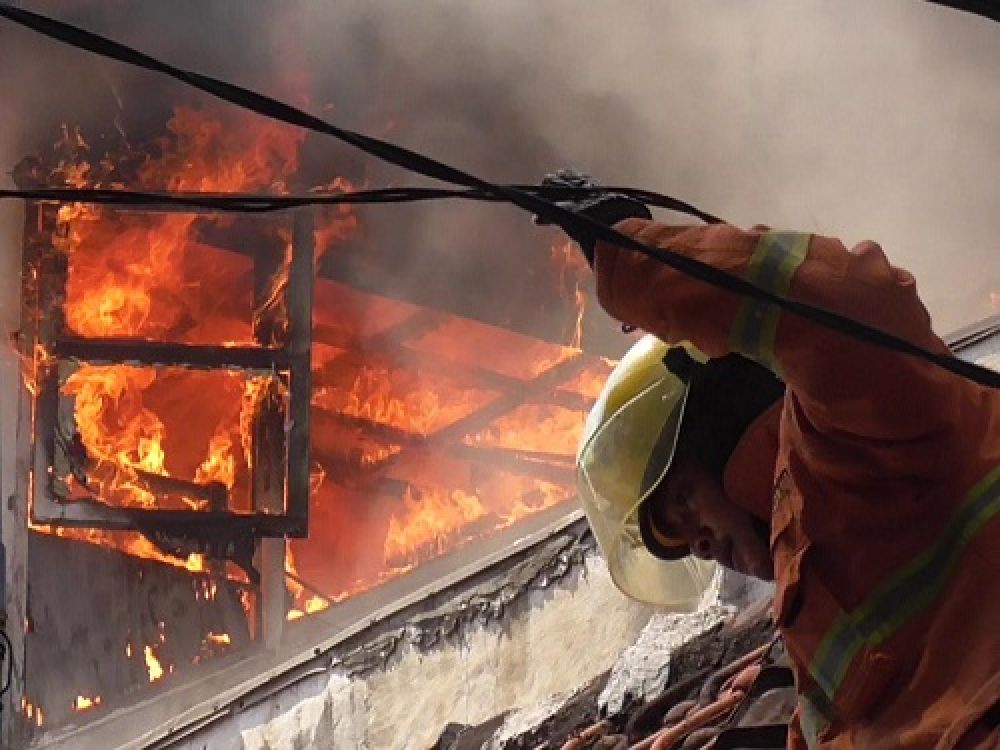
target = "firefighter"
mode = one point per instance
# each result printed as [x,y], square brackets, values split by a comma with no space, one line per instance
[865,483]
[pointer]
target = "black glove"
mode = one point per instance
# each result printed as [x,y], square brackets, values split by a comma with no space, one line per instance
[607,208]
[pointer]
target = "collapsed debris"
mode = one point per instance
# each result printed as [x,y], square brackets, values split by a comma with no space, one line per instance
[728,686]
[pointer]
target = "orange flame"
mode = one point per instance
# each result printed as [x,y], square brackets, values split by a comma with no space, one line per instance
[312,605]
[397,396]
[152,664]
[32,712]
[429,518]
[572,266]
[150,276]
[535,427]
[82,702]
[220,466]
[146,276]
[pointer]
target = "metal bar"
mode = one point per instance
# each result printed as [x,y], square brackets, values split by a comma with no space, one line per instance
[269,452]
[91,514]
[51,268]
[299,302]
[563,472]
[156,353]
[18,505]
[85,514]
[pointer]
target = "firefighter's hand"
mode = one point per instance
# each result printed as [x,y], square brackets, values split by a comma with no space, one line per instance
[607,208]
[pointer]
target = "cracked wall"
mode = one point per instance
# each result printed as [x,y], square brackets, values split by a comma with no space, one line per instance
[539,646]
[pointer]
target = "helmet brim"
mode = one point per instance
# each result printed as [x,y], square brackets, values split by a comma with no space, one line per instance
[621,464]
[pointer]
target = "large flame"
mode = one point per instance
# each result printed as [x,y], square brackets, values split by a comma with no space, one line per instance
[573,271]
[385,496]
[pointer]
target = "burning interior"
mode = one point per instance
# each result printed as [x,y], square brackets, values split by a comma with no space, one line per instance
[199,394]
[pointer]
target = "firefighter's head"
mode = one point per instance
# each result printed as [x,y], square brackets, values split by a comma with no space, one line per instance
[651,463]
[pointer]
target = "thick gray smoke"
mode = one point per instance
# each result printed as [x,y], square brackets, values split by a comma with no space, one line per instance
[856,119]
[851,118]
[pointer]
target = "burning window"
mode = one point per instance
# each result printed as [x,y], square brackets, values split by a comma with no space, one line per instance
[227,461]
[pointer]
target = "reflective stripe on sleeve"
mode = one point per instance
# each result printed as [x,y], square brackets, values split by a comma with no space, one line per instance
[906,593]
[813,716]
[775,260]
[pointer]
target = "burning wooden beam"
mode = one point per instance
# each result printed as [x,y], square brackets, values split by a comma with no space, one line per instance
[481,418]
[551,467]
[299,303]
[119,351]
[215,494]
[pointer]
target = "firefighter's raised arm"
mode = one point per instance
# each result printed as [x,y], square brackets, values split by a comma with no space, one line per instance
[839,385]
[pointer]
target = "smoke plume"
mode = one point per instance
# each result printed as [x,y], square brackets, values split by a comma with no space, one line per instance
[849,118]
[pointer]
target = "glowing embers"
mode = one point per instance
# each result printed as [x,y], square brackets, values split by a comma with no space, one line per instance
[155,437]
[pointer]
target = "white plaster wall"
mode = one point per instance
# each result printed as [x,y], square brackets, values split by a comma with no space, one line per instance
[10,298]
[567,636]
[10,259]
[12,508]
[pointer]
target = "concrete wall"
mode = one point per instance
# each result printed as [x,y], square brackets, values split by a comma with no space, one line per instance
[554,640]
[13,506]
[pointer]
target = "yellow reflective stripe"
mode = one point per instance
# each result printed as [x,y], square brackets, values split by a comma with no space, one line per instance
[906,593]
[774,262]
[813,716]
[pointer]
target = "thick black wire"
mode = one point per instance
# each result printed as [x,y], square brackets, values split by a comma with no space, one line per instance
[985,8]
[7,655]
[546,210]
[258,202]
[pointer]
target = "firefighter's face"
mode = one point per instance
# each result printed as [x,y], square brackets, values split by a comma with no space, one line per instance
[690,504]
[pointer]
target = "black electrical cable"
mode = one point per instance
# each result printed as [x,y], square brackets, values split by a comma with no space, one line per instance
[262,203]
[985,8]
[547,211]
[7,655]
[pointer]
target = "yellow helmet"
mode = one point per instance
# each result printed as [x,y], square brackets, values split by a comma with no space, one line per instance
[626,449]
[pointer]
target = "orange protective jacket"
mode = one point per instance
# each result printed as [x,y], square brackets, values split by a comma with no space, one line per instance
[883,481]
